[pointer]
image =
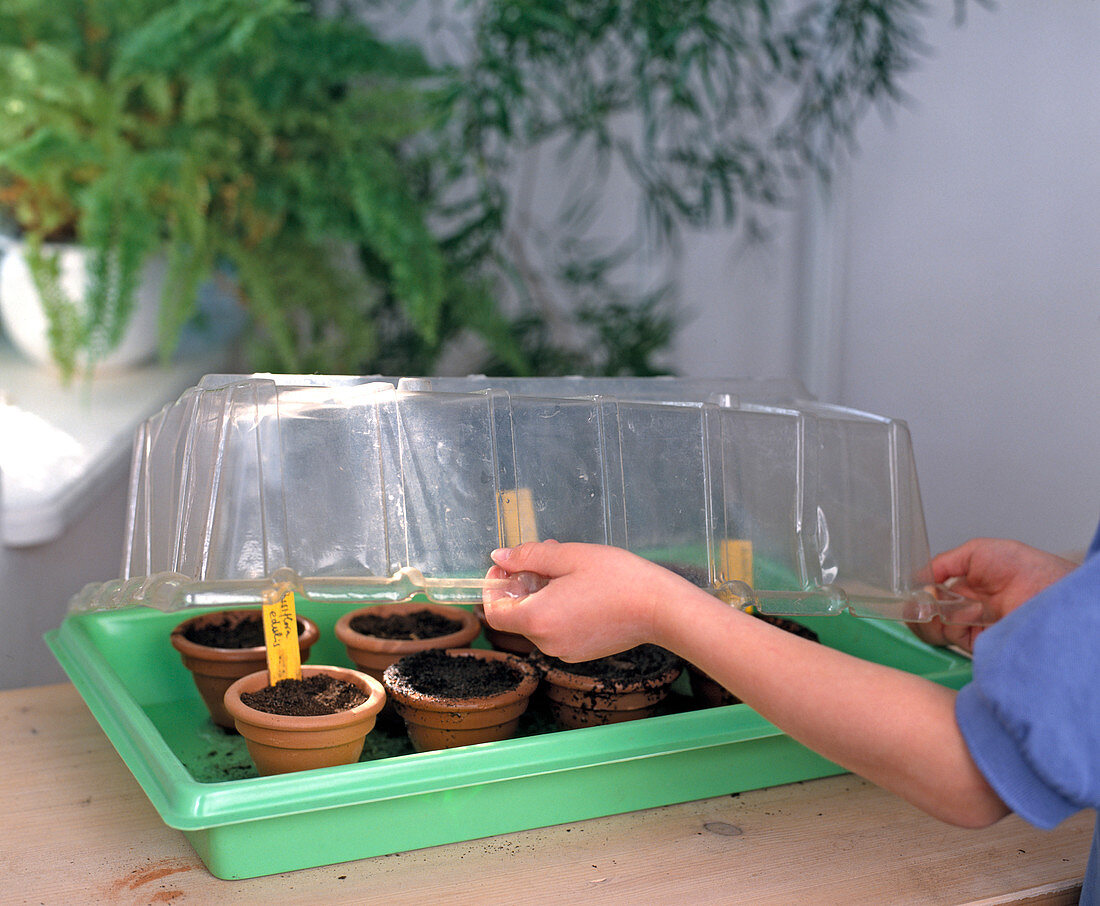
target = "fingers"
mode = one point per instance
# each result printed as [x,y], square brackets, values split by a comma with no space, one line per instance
[508,590]
[501,589]
[500,603]
[511,585]
[936,632]
[952,563]
[498,612]
[543,557]
[931,632]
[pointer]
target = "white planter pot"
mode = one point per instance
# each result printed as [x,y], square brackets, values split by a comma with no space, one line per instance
[25,322]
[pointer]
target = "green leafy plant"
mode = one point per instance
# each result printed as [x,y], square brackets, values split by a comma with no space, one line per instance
[246,134]
[711,114]
[374,210]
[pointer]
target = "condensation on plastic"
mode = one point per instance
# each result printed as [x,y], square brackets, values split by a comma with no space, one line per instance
[353,489]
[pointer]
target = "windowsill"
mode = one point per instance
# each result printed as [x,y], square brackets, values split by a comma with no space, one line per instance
[59,444]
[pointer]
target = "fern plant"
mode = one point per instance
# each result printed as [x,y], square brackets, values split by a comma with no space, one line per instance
[241,133]
[373,209]
[712,112]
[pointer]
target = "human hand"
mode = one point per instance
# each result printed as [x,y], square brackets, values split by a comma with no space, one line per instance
[999,573]
[597,601]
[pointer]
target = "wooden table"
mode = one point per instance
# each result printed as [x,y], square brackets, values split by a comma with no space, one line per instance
[78,829]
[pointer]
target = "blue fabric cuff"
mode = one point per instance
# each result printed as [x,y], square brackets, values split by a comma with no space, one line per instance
[997,755]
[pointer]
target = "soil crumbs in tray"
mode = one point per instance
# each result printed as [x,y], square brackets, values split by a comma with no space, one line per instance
[214,755]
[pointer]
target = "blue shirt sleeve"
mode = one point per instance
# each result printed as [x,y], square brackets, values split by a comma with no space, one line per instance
[1031,715]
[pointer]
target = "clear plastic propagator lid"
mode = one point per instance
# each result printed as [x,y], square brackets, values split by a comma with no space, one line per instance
[376,489]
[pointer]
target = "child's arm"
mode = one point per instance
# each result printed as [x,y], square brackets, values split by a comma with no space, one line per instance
[896,729]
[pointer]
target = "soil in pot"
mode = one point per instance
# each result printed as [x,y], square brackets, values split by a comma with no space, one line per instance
[228,633]
[459,697]
[222,646]
[710,693]
[377,636]
[419,624]
[613,689]
[319,721]
[309,696]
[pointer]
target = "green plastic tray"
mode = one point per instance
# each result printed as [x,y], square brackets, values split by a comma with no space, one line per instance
[200,779]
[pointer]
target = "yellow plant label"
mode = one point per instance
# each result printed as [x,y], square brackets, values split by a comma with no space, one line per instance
[284,660]
[736,559]
[517,517]
[735,556]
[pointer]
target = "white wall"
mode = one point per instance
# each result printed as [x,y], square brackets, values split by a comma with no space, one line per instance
[965,247]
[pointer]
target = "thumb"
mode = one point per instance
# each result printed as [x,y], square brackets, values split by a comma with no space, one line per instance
[951,564]
[543,557]
[499,603]
[503,586]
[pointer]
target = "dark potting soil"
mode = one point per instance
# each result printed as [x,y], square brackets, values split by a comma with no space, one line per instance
[637,664]
[437,674]
[311,696]
[229,633]
[420,624]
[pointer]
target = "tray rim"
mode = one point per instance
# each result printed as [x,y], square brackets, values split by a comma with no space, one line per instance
[190,805]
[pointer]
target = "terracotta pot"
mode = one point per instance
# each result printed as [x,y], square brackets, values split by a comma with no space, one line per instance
[373,654]
[577,700]
[445,723]
[281,743]
[504,641]
[215,669]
